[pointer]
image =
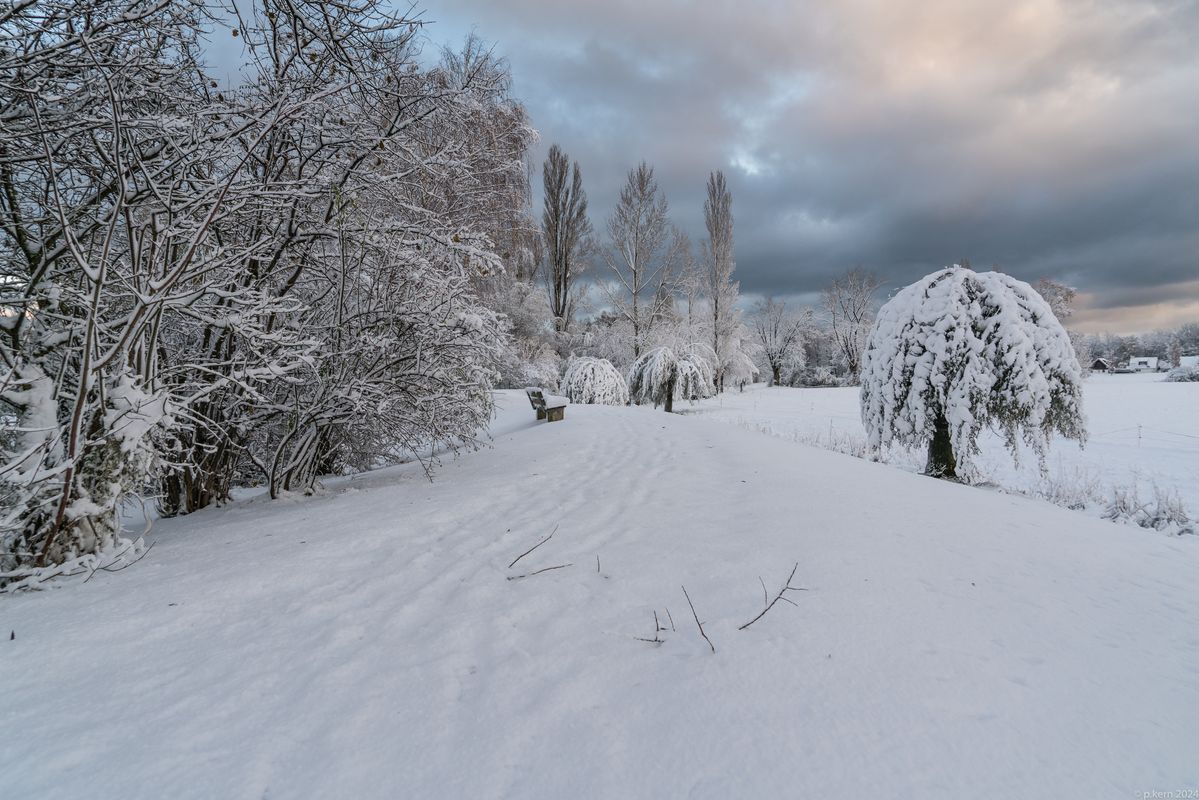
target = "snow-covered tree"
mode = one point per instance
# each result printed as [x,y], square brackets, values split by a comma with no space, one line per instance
[738,361]
[780,335]
[959,351]
[274,279]
[565,231]
[113,181]
[594,381]
[722,290]
[640,270]
[652,378]
[697,378]
[1060,298]
[849,306]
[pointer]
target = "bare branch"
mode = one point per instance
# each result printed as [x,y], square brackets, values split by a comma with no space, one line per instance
[534,547]
[787,587]
[699,624]
[538,572]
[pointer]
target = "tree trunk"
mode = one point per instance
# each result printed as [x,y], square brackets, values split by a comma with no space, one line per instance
[668,404]
[778,378]
[941,461]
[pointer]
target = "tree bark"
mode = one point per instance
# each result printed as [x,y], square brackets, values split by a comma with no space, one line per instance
[941,461]
[778,378]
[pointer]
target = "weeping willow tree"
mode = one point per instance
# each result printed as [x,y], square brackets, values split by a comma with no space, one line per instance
[960,351]
[591,380]
[652,378]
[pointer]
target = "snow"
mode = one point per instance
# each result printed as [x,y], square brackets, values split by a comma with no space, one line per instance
[1141,429]
[367,643]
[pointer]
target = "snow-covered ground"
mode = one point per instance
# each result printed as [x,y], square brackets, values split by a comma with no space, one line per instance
[368,642]
[1142,430]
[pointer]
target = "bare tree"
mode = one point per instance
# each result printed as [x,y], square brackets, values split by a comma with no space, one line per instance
[722,291]
[565,230]
[638,229]
[780,334]
[850,305]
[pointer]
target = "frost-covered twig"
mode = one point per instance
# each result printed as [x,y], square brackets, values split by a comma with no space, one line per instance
[534,547]
[698,624]
[787,587]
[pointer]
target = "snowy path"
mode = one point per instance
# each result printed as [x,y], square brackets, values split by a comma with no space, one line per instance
[952,641]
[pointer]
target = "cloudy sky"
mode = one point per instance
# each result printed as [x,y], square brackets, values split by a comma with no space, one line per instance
[1055,139]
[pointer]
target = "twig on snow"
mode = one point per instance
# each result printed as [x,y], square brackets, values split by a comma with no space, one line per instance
[657,629]
[538,572]
[787,587]
[534,547]
[699,624]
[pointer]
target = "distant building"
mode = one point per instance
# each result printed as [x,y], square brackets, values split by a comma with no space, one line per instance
[1189,361]
[1143,363]
[1101,365]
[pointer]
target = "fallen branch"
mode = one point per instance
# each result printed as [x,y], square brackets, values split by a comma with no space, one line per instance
[787,587]
[534,547]
[699,624]
[538,572]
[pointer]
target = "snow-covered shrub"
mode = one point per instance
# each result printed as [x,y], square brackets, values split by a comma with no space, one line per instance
[1183,375]
[958,351]
[542,369]
[529,363]
[696,378]
[652,378]
[1162,512]
[813,377]
[595,381]
[1075,489]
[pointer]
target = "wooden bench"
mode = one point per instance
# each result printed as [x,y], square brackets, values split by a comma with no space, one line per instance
[548,407]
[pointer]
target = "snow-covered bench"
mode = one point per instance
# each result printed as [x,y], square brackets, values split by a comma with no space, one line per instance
[548,407]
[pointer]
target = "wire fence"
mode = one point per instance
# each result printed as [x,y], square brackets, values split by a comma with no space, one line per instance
[1144,433]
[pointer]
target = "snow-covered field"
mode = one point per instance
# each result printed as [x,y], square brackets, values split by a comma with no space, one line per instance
[1142,430]
[369,642]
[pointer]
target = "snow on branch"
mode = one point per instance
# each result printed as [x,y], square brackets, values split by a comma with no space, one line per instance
[594,380]
[960,351]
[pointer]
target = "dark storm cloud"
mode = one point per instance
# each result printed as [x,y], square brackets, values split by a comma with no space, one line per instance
[1056,139]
